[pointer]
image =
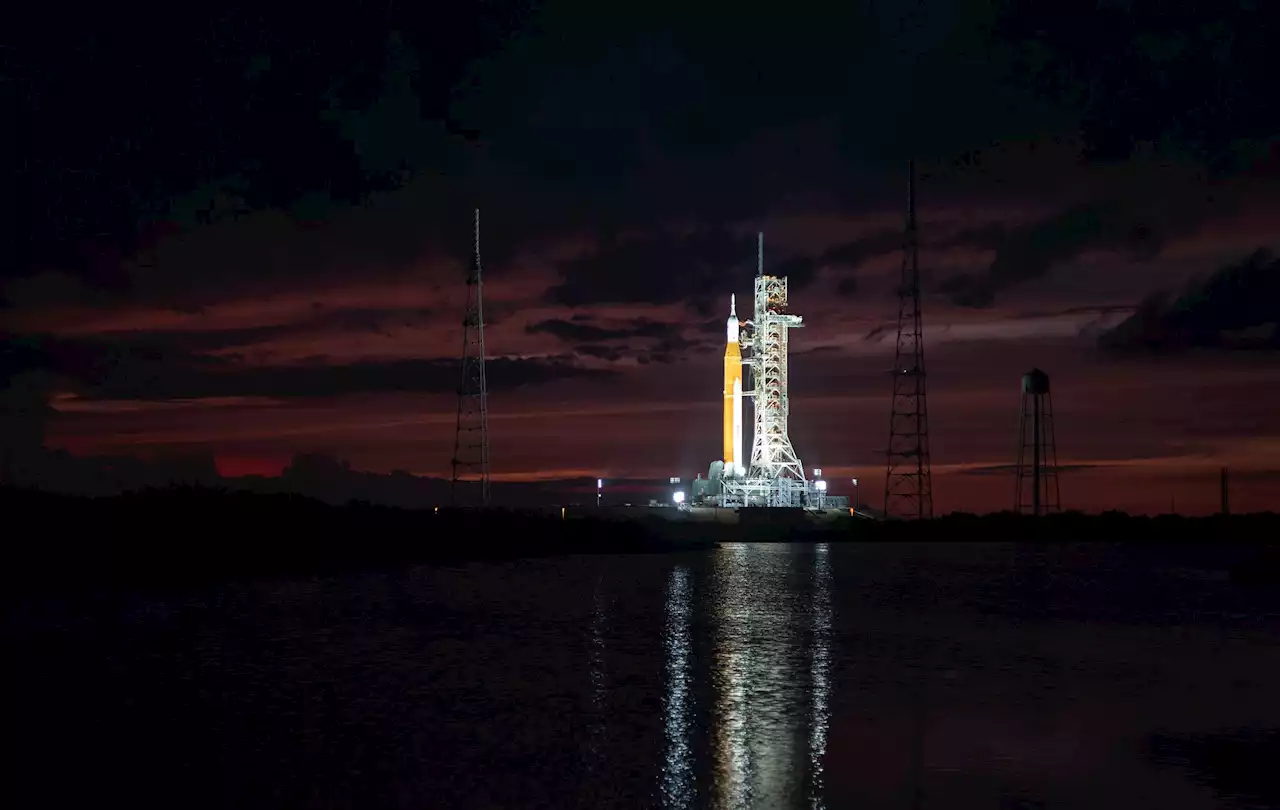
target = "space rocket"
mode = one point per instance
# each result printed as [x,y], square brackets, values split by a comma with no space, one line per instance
[734,463]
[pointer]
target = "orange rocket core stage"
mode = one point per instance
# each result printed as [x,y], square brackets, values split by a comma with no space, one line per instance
[734,463]
[732,402]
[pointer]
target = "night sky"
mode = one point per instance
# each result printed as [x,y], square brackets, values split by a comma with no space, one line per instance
[244,232]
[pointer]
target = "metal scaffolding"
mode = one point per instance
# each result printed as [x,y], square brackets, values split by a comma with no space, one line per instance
[470,482]
[908,485]
[775,476]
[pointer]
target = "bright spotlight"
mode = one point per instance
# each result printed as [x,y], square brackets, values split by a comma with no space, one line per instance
[678,497]
[822,486]
[599,483]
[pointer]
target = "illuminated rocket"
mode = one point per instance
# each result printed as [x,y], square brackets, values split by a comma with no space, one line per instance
[734,464]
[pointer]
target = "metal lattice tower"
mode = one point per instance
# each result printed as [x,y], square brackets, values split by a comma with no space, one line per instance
[470,483]
[1037,481]
[908,485]
[772,456]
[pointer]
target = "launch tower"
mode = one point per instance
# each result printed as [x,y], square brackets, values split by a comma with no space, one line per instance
[775,476]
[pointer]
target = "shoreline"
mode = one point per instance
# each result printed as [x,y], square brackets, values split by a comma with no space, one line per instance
[171,539]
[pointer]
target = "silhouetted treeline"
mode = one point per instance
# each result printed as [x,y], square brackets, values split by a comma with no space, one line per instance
[27,462]
[179,536]
[1244,547]
[1080,527]
[322,476]
[176,536]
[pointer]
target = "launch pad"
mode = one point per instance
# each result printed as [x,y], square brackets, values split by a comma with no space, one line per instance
[774,476]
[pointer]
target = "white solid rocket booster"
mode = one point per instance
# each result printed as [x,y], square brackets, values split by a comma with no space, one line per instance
[734,464]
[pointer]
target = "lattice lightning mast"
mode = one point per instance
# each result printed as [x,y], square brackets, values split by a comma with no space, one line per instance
[908,486]
[470,482]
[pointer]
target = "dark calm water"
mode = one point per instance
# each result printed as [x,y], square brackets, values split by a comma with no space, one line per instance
[764,676]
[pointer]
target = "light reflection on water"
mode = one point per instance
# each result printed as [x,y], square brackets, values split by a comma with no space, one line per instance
[771,687]
[598,709]
[767,676]
[820,672]
[732,662]
[677,770]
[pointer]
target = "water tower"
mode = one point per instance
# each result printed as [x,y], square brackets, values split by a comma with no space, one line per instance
[1037,492]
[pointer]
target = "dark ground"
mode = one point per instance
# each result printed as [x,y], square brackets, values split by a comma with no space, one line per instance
[172,538]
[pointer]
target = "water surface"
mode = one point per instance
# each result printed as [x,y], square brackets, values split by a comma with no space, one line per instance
[961,676]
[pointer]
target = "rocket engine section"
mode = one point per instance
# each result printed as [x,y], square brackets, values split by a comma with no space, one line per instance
[734,463]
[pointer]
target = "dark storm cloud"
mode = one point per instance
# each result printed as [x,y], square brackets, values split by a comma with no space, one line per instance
[234,111]
[322,322]
[798,270]
[1010,469]
[575,330]
[1138,226]
[557,117]
[564,117]
[1028,252]
[853,254]
[690,111]
[1194,76]
[667,268]
[149,370]
[645,340]
[817,351]
[19,355]
[848,256]
[600,351]
[715,326]
[670,348]
[876,333]
[1237,475]
[1235,308]
[664,352]
[377,321]
[968,290]
[1023,252]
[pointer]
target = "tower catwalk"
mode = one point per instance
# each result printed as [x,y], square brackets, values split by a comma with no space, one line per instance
[908,483]
[470,483]
[772,456]
[1037,481]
